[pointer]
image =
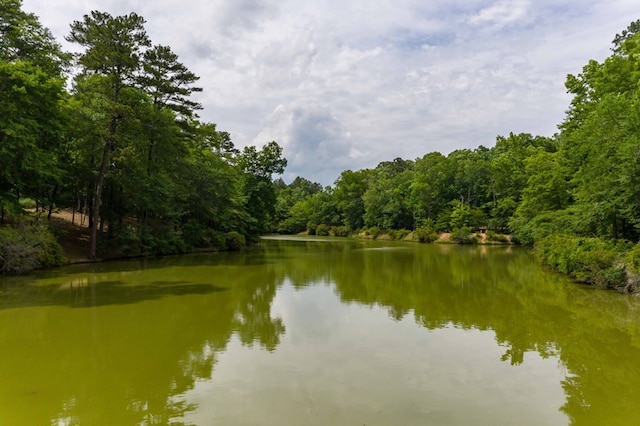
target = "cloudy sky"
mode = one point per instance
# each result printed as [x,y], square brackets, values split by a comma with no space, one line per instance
[346,84]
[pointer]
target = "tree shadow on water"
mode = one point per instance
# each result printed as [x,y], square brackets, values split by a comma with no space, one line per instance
[97,294]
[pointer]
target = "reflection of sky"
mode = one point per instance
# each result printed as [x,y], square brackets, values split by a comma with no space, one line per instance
[352,364]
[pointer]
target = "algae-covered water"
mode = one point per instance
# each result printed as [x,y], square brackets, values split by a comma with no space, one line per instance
[318,332]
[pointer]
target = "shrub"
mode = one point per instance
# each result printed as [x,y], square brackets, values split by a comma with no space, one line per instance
[632,259]
[374,231]
[28,247]
[463,236]
[194,233]
[235,240]
[311,228]
[494,236]
[399,234]
[322,230]
[341,231]
[169,242]
[291,225]
[591,260]
[27,203]
[215,239]
[129,240]
[425,235]
[198,235]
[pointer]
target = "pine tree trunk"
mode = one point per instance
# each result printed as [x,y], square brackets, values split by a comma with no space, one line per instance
[97,200]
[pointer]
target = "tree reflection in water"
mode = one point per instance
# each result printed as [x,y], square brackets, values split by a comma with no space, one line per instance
[126,341]
[594,334]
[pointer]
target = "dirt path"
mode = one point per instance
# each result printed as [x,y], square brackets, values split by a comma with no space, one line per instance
[72,236]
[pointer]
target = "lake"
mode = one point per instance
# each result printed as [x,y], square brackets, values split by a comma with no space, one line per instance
[318,331]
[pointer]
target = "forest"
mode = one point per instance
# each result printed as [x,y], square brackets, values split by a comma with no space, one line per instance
[111,132]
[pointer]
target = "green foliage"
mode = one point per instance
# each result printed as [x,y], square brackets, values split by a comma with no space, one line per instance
[198,235]
[348,197]
[373,231]
[263,163]
[462,236]
[425,235]
[632,259]
[398,234]
[311,228]
[494,236]
[322,230]
[600,140]
[341,231]
[125,146]
[547,186]
[292,210]
[31,122]
[443,221]
[27,247]
[562,221]
[235,241]
[460,215]
[429,186]
[258,190]
[129,241]
[23,38]
[27,203]
[386,201]
[502,213]
[293,225]
[590,260]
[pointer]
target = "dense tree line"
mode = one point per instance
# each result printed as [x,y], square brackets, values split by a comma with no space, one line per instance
[481,188]
[576,195]
[112,132]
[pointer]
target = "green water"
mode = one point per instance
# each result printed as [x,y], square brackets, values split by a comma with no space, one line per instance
[322,332]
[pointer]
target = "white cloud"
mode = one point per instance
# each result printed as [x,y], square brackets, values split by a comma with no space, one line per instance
[349,84]
[503,13]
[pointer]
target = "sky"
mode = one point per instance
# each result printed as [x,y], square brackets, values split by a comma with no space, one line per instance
[347,84]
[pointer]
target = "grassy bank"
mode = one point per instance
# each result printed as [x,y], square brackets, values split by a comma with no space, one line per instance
[596,261]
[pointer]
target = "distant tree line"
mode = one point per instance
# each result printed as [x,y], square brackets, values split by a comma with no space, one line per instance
[112,132]
[481,188]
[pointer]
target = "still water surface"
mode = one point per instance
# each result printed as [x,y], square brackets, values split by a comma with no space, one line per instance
[318,332]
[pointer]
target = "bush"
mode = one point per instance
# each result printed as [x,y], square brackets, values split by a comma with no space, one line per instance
[341,231]
[169,242]
[291,226]
[235,241]
[215,239]
[322,230]
[27,203]
[399,234]
[311,228]
[374,231]
[463,236]
[632,259]
[28,247]
[129,241]
[591,260]
[494,236]
[425,235]
[198,235]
